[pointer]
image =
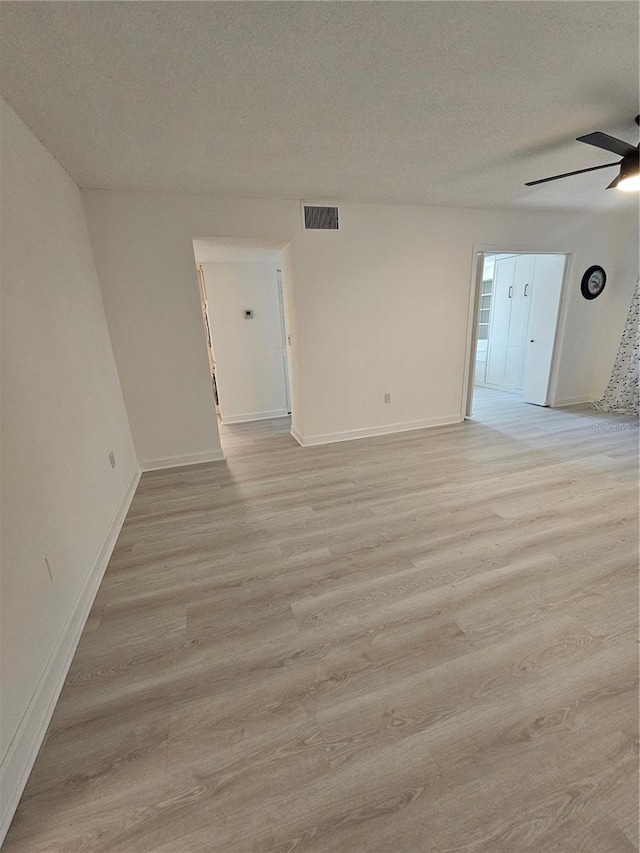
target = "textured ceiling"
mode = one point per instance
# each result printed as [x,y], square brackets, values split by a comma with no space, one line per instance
[447,103]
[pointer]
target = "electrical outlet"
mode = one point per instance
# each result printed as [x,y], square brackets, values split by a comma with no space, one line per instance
[47,562]
[387,398]
[112,459]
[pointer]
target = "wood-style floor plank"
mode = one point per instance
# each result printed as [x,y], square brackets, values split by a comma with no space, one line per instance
[417,643]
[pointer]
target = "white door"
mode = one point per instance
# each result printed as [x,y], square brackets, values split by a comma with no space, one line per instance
[543,320]
[500,314]
[283,341]
[518,321]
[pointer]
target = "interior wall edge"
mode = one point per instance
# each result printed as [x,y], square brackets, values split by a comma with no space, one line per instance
[22,752]
[297,436]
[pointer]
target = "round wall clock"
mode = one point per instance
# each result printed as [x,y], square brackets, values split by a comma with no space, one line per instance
[593,282]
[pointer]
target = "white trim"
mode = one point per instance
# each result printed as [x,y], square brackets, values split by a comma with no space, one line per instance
[471,341]
[181,461]
[478,253]
[499,249]
[570,401]
[295,434]
[254,416]
[20,757]
[370,432]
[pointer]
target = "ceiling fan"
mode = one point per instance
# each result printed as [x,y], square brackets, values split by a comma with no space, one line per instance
[629,177]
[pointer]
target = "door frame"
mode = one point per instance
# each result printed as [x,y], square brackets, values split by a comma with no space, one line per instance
[204,305]
[286,337]
[477,261]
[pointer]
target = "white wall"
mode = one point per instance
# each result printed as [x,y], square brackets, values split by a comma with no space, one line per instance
[380,306]
[143,250]
[616,301]
[384,307]
[62,414]
[249,364]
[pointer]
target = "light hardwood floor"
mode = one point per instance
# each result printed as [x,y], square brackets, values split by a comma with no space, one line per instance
[418,643]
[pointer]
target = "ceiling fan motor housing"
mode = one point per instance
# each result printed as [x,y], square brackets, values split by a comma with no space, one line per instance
[630,165]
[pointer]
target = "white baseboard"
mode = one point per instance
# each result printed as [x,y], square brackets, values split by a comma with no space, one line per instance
[180,461]
[23,749]
[570,401]
[295,434]
[254,416]
[370,432]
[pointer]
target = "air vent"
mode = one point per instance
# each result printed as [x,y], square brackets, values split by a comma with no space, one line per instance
[319,218]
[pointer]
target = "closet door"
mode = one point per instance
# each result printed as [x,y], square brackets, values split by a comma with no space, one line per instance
[543,320]
[500,316]
[518,322]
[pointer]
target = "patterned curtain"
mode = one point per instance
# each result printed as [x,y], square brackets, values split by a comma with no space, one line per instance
[621,394]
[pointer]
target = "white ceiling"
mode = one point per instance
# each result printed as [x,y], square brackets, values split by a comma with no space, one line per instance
[448,103]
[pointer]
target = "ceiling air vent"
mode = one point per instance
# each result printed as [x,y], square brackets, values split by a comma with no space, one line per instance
[316,217]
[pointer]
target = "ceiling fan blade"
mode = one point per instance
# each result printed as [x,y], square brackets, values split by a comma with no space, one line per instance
[609,143]
[614,183]
[568,174]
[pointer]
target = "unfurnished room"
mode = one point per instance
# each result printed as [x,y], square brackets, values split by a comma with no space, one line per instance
[319,458]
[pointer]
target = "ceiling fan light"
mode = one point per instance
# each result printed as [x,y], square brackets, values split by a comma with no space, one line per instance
[629,179]
[629,184]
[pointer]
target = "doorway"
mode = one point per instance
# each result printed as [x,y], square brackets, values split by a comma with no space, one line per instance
[518,297]
[244,311]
